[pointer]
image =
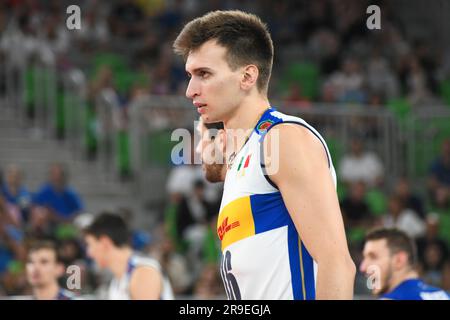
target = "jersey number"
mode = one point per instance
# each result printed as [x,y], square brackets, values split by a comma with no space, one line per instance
[229,280]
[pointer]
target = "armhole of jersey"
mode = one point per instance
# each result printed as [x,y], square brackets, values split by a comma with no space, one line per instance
[261,148]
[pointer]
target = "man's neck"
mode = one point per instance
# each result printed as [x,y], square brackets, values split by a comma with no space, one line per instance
[49,292]
[248,113]
[401,277]
[120,259]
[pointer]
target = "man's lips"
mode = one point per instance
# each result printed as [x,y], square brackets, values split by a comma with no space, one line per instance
[201,107]
[201,110]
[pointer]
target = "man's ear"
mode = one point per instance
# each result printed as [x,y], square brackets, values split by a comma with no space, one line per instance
[250,76]
[400,260]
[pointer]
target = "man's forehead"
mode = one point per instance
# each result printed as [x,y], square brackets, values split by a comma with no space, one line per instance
[208,55]
[375,245]
[44,252]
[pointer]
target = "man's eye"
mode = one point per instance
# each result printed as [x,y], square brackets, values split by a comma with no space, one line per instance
[203,74]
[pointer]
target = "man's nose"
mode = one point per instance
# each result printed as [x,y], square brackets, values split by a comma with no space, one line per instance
[363,266]
[192,89]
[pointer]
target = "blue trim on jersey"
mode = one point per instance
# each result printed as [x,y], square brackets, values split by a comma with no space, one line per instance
[276,121]
[294,263]
[411,290]
[269,212]
[308,268]
[310,129]
[64,295]
[130,266]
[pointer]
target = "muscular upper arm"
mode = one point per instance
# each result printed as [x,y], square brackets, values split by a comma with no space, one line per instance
[145,284]
[304,180]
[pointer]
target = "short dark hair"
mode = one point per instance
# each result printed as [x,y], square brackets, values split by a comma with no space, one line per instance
[244,35]
[36,245]
[111,225]
[396,241]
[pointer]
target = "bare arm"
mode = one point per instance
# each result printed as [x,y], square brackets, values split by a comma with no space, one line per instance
[145,284]
[309,194]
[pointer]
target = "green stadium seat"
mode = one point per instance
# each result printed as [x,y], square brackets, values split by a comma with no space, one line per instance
[445,91]
[211,250]
[444,226]
[306,75]
[356,235]
[377,202]
[123,153]
[160,148]
[400,107]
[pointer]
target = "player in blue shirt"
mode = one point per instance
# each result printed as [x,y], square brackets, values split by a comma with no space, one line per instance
[389,259]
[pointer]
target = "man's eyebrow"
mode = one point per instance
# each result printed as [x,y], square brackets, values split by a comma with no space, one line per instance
[199,69]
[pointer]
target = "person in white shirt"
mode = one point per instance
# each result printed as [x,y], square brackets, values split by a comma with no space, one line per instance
[361,165]
[404,219]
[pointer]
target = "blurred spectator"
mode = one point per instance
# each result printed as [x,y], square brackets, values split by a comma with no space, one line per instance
[14,281]
[432,252]
[446,276]
[354,207]
[416,83]
[318,14]
[182,177]
[439,173]
[176,266]
[404,219]
[57,196]
[324,45]
[43,270]
[127,19]
[209,284]
[16,195]
[433,263]
[361,165]
[71,253]
[193,215]
[347,83]
[411,200]
[380,78]
[95,28]
[148,50]
[57,35]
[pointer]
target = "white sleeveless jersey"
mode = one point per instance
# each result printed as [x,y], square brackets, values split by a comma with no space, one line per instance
[263,256]
[119,288]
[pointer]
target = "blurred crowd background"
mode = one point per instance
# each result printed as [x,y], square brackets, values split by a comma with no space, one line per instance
[87,116]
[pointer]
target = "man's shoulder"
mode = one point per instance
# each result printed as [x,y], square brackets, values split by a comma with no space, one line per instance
[416,289]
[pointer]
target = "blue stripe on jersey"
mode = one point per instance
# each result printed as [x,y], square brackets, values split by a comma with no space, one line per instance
[308,267]
[269,212]
[294,263]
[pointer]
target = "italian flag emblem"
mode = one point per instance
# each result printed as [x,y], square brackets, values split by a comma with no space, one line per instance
[246,163]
